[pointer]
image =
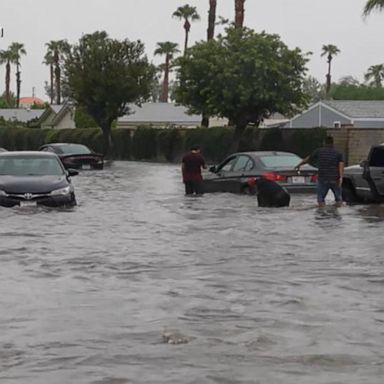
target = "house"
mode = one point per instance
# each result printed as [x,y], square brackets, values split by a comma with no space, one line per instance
[335,113]
[58,117]
[28,102]
[21,115]
[161,115]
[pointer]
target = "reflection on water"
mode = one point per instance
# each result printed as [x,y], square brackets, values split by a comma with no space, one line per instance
[103,292]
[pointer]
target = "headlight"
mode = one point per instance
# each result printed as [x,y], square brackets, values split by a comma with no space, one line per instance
[62,191]
[2,193]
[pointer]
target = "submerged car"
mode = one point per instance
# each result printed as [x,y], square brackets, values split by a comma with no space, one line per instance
[3,149]
[32,178]
[364,182]
[239,172]
[77,156]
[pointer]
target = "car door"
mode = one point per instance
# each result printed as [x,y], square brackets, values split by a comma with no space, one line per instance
[220,179]
[374,171]
[241,169]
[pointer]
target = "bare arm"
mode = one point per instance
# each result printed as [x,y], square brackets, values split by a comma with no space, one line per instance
[341,172]
[302,162]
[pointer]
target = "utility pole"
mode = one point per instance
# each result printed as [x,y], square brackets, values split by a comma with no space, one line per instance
[1,32]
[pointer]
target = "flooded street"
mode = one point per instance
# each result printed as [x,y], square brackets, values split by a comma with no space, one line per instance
[98,293]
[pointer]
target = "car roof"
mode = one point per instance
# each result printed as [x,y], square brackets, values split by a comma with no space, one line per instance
[264,153]
[60,144]
[27,153]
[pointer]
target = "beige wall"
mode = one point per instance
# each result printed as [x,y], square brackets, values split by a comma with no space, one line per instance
[66,122]
[356,142]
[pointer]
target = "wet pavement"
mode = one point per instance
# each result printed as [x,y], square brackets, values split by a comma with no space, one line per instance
[140,284]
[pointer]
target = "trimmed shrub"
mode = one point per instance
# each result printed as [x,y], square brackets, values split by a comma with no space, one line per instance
[170,143]
[121,139]
[144,143]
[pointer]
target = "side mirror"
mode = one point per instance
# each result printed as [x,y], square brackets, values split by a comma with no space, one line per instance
[212,169]
[72,172]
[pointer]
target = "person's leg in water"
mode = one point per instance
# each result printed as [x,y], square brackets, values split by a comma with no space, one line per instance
[198,188]
[337,192]
[188,188]
[322,190]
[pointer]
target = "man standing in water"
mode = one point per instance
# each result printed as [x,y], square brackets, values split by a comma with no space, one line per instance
[191,166]
[330,164]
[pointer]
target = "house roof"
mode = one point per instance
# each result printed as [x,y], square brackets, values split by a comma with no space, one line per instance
[31,101]
[159,113]
[358,109]
[22,115]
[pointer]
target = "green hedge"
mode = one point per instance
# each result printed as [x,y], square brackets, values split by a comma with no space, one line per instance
[145,143]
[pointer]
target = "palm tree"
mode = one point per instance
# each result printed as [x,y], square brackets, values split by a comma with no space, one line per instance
[239,13]
[7,58]
[17,50]
[376,73]
[48,60]
[186,13]
[168,49]
[373,5]
[330,51]
[57,50]
[211,19]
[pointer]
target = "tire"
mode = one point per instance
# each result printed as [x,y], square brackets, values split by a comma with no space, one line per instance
[349,194]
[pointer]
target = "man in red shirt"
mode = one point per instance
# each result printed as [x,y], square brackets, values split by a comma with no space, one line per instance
[191,165]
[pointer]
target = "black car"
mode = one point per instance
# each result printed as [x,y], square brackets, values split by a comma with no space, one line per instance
[75,156]
[35,178]
[364,183]
[239,172]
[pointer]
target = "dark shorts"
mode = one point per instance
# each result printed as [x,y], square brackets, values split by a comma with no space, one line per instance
[193,187]
[324,186]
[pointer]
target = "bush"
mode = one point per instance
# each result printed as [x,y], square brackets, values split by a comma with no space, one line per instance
[144,143]
[121,139]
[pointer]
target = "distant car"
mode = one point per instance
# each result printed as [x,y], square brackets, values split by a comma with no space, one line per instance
[239,172]
[364,183]
[31,178]
[75,156]
[3,150]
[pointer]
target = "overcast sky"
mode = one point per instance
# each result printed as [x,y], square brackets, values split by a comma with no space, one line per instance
[306,24]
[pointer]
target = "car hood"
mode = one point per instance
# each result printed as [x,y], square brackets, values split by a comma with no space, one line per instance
[32,184]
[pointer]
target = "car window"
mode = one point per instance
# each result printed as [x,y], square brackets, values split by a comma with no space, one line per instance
[243,163]
[228,165]
[74,149]
[376,158]
[277,161]
[30,166]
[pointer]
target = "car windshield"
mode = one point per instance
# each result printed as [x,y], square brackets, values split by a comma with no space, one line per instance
[30,166]
[280,161]
[73,149]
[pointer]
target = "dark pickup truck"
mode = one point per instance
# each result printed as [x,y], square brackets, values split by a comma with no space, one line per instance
[364,183]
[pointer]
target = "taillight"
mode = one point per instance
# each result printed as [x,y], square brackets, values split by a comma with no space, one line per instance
[251,181]
[314,178]
[272,176]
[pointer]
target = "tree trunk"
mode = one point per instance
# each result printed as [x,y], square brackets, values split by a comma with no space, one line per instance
[239,13]
[8,83]
[57,78]
[164,90]
[211,19]
[239,130]
[52,79]
[187,27]
[18,85]
[107,138]
[328,77]
[205,121]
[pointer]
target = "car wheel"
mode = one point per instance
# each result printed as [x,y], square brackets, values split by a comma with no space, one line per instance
[349,195]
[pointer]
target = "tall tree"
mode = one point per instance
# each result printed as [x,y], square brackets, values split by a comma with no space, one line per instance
[251,75]
[239,13]
[211,19]
[372,5]
[330,51]
[7,57]
[17,50]
[168,49]
[103,75]
[188,14]
[375,75]
[48,60]
[57,49]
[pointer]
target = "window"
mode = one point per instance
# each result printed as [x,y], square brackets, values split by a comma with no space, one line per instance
[376,158]
[243,163]
[228,165]
[277,161]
